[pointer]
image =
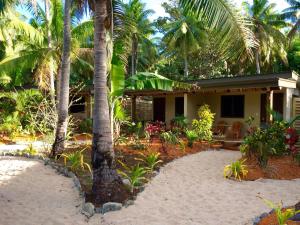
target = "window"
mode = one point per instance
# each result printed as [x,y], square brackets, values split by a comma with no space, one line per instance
[179,106]
[78,105]
[232,106]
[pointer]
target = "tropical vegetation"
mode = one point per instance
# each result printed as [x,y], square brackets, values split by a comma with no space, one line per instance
[50,47]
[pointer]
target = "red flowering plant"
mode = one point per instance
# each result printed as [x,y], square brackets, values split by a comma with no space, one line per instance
[291,138]
[154,128]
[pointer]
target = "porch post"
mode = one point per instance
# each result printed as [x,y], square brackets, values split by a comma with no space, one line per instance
[185,111]
[133,108]
[288,104]
[270,105]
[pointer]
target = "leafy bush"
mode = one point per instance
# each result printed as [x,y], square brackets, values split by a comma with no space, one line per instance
[203,125]
[179,124]
[236,169]
[15,110]
[86,125]
[191,136]
[151,160]
[282,215]
[262,143]
[75,160]
[135,175]
[168,137]
[291,139]
[154,128]
[30,151]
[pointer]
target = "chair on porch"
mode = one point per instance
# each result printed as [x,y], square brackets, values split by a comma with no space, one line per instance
[236,129]
[220,128]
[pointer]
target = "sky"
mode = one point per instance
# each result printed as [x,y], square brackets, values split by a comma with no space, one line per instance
[159,11]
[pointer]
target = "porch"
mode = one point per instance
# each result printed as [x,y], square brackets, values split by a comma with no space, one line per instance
[232,99]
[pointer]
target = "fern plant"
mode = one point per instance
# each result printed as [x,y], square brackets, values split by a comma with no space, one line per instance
[76,160]
[135,175]
[152,160]
[236,169]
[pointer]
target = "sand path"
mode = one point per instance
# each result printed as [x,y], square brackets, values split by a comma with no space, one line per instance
[33,194]
[190,190]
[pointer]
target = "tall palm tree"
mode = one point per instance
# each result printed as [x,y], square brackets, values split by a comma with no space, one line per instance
[184,35]
[142,28]
[231,28]
[293,13]
[267,24]
[63,103]
[107,184]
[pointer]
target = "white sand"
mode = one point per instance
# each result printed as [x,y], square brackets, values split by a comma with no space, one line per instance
[190,190]
[33,194]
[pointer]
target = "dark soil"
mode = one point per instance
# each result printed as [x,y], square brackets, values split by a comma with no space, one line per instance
[281,168]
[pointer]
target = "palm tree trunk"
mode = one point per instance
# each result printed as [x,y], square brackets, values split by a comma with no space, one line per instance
[257,61]
[107,185]
[186,69]
[63,105]
[49,37]
[133,56]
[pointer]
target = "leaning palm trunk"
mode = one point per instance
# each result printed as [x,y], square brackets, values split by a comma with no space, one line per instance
[107,184]
[49,37]
[63,103]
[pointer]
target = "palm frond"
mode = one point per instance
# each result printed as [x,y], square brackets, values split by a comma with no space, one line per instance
[232,28]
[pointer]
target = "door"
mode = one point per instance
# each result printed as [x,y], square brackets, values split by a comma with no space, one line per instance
[278,103]
[159,109]
[263,108]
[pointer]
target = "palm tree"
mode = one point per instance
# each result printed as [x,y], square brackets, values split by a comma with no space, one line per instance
[229,26]
[266,28]
[292,13]
[107,184]
[63,103]
[184,35]
[141,28]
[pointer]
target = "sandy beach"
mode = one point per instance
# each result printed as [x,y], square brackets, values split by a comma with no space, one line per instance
[190,190]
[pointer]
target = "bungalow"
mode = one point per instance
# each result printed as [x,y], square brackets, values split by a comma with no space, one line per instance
[232,99]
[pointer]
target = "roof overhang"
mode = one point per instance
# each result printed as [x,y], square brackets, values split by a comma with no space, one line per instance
[263,81]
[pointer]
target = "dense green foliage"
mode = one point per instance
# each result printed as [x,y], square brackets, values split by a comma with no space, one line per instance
[203,125]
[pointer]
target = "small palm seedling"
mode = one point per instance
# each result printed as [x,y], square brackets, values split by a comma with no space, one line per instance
[191,136]
[30,151]
[282,215]
[135,175]
[76,160]
[236,169]
[152,160]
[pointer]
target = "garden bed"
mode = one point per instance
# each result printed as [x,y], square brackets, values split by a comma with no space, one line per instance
[279,167]
[129,156]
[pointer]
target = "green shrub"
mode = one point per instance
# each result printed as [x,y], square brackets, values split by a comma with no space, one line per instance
[30,151]
[203,125]
[86,126]
[75,160]
[135,175]
[152,160]
[179,124]
[236,169]
[282,215]
[191,136]
[262,143]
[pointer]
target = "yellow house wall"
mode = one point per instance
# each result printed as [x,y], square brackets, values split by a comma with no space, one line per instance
[252,106]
